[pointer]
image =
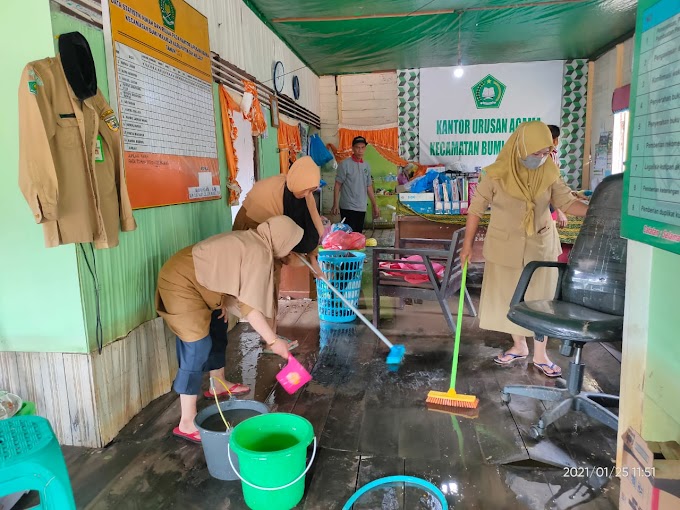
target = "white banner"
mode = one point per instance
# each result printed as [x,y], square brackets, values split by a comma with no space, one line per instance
[468,119]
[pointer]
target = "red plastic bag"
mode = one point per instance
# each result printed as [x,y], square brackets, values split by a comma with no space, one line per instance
[340,240]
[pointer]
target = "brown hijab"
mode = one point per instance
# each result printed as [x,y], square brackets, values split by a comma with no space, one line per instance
[266,198]
[519,181]
[241,264]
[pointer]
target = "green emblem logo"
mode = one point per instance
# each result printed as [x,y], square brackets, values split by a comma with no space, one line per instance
[488,92]
[168,12]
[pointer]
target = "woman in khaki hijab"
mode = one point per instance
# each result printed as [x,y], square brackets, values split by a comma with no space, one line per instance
[289,194]
[519,186]
[197,287]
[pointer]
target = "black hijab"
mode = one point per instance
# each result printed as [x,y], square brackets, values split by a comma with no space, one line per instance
[296,209]
[78,64]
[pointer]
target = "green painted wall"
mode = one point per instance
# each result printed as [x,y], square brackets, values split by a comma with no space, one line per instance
[269,154]
[127,274]
[41,308]
[661,409]
[40,303]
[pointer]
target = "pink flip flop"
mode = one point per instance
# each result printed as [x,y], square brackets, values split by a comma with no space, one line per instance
[192,438]
[236,389]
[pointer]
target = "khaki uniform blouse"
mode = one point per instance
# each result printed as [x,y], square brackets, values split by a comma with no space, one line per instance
[507,243]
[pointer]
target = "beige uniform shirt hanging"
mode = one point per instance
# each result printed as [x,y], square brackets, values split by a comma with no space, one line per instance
[70,169]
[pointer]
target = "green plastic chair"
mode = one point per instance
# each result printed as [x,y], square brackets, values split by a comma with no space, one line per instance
[31,460]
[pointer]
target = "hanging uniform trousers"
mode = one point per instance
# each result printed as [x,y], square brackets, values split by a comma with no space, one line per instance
[70,169]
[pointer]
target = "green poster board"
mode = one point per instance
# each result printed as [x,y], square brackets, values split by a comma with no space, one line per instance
[651,193]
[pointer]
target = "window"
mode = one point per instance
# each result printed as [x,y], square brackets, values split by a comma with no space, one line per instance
[620,142]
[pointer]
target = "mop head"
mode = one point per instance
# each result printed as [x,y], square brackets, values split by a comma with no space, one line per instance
[396,355]
[452,399]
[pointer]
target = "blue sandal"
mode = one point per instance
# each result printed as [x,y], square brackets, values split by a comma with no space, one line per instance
[550,366]
[514,357]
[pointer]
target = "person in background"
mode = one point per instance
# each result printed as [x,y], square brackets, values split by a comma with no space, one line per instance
[291,195]
[519,186]
[353,185]
[200,284]
[558,215]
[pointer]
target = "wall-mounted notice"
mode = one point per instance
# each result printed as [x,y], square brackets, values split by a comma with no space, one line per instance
[163,85]
[651,212]
[468,119]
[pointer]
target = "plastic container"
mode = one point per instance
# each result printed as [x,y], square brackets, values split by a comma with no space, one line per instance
[272,453]
[215,439]
[344,270]
[293,376]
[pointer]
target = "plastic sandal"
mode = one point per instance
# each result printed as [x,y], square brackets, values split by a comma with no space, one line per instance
[514,357]
[192,438]
[550,366]
[236,389]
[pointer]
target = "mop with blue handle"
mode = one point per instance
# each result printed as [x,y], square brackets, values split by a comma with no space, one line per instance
[396,354]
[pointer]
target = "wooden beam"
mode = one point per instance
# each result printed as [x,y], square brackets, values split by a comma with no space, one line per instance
[339,82]
[366,16]
[635,341]
[619,65]
[232,76]
[437,12]
[585,175]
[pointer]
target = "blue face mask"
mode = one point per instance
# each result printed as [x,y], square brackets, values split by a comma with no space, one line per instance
[533,162]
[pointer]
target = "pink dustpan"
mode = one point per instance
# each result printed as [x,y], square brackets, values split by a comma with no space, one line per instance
[293,376]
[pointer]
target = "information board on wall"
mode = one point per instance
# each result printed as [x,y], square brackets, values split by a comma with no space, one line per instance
[163,84]
[468,119]
[651,208]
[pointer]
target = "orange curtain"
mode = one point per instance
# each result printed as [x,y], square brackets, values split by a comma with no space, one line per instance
[385,141]
[255,115]
[290,144]
[230,132]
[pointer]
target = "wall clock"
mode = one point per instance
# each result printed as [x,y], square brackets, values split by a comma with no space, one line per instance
[296,88]
[278,77]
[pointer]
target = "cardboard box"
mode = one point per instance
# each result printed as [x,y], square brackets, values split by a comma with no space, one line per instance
[422,203]
[650,474]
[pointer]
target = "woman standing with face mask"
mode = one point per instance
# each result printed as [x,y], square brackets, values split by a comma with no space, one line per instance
[520,187]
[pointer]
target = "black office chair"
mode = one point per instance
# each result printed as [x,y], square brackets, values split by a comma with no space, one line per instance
[588,307]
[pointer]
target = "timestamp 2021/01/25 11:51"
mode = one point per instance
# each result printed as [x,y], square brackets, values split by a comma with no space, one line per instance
[606,471]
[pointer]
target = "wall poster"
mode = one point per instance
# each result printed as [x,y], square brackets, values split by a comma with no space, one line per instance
[468,119]
[162,87]
[651,192]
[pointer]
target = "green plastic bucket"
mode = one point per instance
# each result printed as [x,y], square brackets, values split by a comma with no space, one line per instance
[272,453]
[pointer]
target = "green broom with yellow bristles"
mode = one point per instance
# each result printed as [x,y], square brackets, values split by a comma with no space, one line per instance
[451,398]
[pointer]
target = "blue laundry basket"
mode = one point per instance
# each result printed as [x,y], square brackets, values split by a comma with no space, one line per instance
[343,270]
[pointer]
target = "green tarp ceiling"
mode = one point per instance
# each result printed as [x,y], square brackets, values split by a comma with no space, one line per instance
[352,36]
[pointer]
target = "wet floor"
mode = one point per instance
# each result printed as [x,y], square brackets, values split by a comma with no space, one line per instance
[371,422]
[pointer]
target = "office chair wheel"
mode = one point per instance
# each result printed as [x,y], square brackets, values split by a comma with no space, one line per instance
[536,432]
[505,397]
